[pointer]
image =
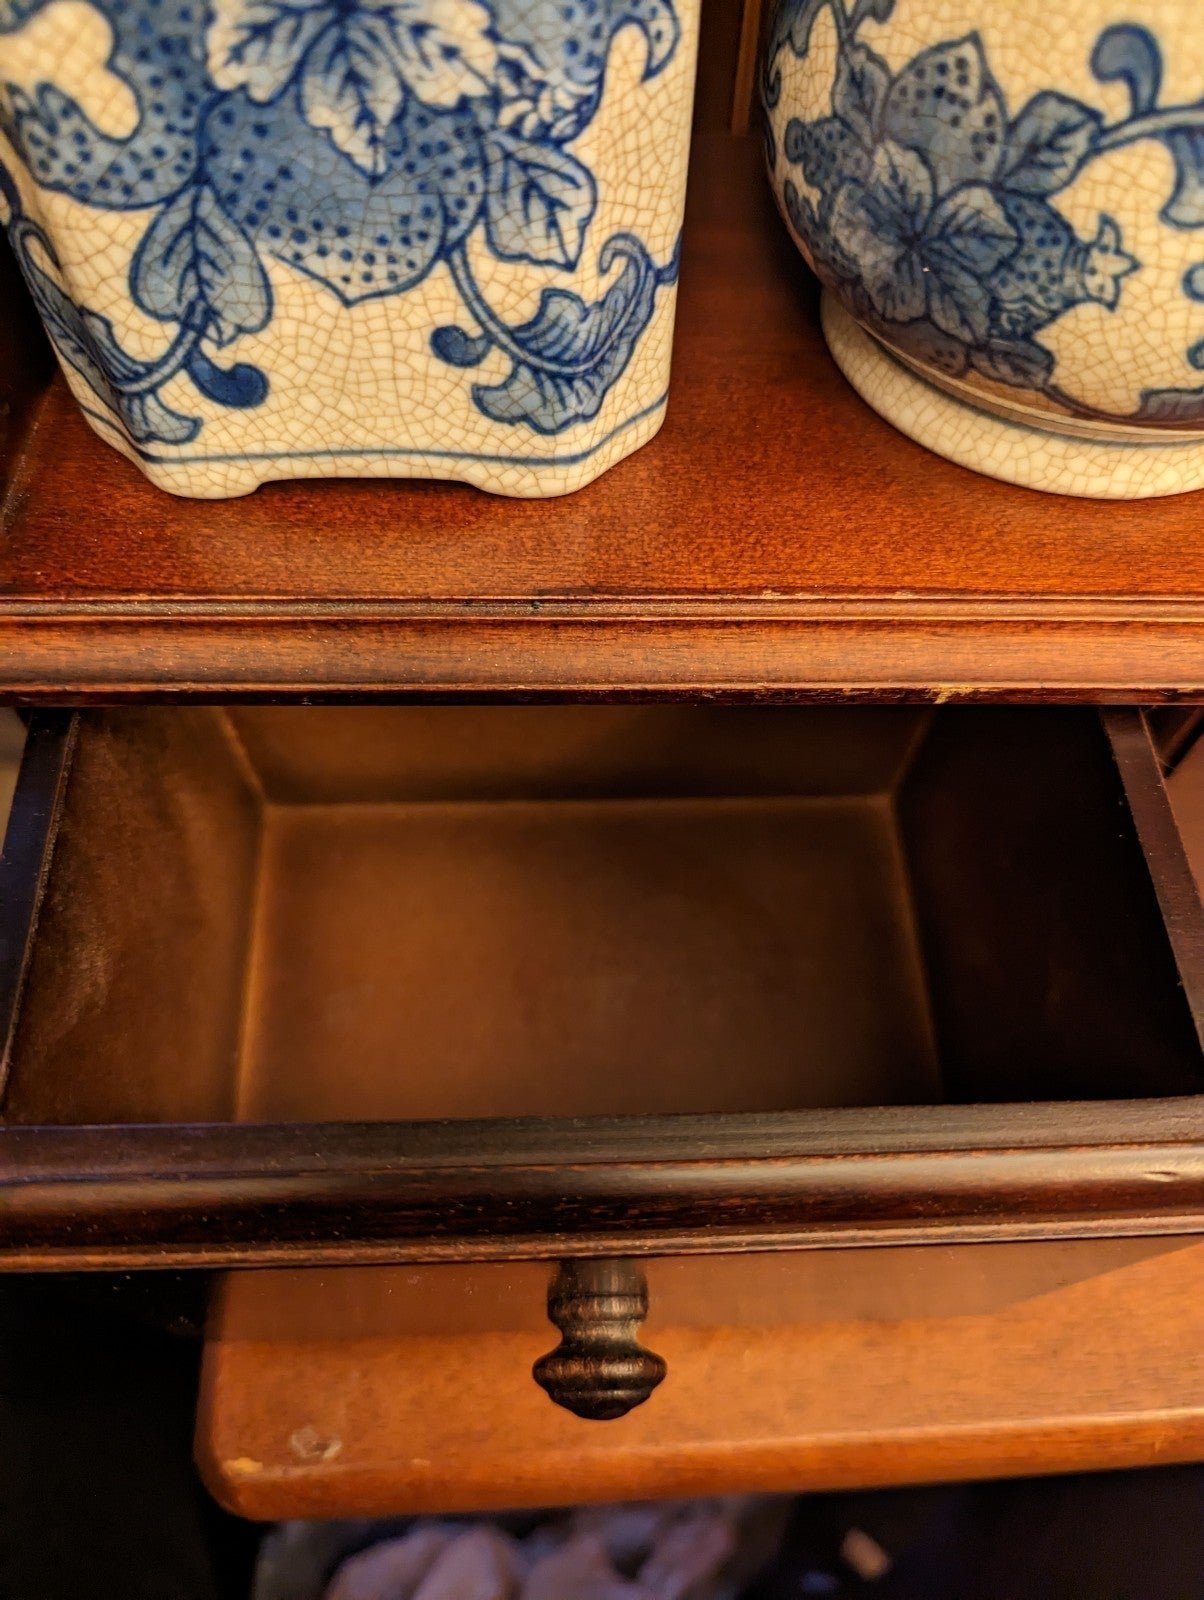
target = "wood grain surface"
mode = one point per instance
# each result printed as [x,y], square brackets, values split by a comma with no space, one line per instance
[386,1391]
[776,539]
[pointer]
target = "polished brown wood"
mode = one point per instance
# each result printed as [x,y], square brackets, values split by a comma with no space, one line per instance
[775,540]
[395,1391]
[25,363]
[1033,905]
[1175,730]
[1174,881]
[599,1371]
[25,861]
[716,88]
[746,84]
[894,908]
[1185,790]
[343,1192]
[141,929]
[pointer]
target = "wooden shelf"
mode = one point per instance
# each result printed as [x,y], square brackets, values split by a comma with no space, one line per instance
[775,539]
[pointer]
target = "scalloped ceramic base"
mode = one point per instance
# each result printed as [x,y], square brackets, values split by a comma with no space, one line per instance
[517,477]
[1013,451]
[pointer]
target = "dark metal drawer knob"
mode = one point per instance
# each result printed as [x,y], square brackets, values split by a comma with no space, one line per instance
[599,1370]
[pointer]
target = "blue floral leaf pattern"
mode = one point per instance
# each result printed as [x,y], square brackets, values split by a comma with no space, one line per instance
[924,341]
[258,45]
[1019,362]
[946,104]
[443,49]
[362,237]
[551,59]
[831,262]
[65,151]
[571,353]
[351,88]
[355,61]
[871,10]
[360,142]
[195,266]
[1185,208]
[1048,143]
[86,341]
[1184,406]
[932,211]
[862,81]
[657,19]
[1129,54]
[1105,264]
[540,201]
[827,152]
[956,303]
[241,385]
[149,420]
[900,193]
[459,348]
[879,224]
[792,25]
[971,226]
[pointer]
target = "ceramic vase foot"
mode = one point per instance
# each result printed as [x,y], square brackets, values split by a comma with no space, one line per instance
[1012,450]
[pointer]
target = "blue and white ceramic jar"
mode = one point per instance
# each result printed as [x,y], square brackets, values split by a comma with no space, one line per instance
[415,238]
[1005,202]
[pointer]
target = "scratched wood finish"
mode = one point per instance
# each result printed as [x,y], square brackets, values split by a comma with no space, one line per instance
[776,539]
[396,1391]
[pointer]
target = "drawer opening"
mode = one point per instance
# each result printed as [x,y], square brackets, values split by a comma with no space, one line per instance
[271,914]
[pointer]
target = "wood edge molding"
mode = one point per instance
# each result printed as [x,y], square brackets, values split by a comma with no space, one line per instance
[284,610]
[236,1201]
[1100,1443]
[313,656]
[343,1252]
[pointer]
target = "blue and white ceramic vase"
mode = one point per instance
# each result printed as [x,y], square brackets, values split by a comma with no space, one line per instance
[1005,202]
[306,238]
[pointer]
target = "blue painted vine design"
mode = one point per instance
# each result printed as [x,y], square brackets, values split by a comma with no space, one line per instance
[934,213]
[361,142]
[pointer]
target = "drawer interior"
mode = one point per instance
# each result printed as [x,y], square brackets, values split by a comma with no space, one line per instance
[291,914]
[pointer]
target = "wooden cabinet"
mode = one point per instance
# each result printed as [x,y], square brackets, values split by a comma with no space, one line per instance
[716,926]
[658,985]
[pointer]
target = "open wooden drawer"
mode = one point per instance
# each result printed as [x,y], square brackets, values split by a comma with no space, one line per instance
[414,984]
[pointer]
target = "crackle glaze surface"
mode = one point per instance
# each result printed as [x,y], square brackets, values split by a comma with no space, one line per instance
[1012,205]
[416,238]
